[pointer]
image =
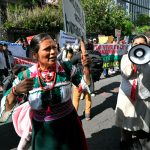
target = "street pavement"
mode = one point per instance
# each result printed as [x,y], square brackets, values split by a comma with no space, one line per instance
[100,131]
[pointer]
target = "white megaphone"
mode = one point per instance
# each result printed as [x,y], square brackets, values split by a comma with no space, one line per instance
[139,54]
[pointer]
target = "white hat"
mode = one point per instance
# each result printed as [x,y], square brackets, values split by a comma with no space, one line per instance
[75,48]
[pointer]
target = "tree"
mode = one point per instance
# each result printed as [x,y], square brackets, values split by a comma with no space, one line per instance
[103,16]
[29,3]
[127,27]
[142,20]
[142,29]
[46,18]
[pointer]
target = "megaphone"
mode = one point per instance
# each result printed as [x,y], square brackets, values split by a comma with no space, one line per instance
[139,54]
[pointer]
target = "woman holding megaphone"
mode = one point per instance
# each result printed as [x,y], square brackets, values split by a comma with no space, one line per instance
[133,103]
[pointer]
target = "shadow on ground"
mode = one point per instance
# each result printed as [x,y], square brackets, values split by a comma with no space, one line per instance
[106,139]
[109,102]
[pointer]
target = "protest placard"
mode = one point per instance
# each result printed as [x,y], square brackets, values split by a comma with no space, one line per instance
[111,54]
[15,49]
[66,39]
[74,18]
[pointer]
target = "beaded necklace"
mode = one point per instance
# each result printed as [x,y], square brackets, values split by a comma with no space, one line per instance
[47,79]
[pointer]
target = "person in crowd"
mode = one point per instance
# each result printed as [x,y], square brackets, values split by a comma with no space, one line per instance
[89,45]
[19,41]
[3,66]
[112,71]
[54,121]
[8,81]
[8,57]
[77,95]
[133,103]
[23,42]
[66,50]
[94,41]
[69,54]
[105,72]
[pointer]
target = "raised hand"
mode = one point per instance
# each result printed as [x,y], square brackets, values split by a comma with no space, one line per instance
[84,56]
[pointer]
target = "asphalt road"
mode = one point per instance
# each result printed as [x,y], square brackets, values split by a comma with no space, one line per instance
[100,131]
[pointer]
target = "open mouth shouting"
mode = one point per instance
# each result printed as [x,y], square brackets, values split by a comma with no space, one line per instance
[52,58]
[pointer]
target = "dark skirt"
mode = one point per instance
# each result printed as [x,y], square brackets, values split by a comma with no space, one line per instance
[62,134]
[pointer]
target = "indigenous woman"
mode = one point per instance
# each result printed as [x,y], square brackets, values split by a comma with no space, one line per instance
[54,121]
[133,104]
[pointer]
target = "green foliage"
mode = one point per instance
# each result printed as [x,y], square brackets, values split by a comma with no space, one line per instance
[28,3]
[127,27]
[142,30]
[46,19]
[143,20]
[103,16]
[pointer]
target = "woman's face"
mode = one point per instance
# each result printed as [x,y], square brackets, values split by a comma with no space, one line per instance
[47,54]
[139,41]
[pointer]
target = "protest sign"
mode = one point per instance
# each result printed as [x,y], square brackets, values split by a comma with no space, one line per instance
[66,39]
[15,49]
[23,61]
[74,18]
[111,54]
[102,39]
[117,33]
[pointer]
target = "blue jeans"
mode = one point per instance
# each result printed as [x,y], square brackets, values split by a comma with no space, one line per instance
[105,72]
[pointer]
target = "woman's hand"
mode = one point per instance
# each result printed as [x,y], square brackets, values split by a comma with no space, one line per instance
[134,68]
[24,86]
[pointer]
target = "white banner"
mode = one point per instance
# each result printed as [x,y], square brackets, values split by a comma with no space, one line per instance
[66,39]
[74,18]
[24,61]
[15,49]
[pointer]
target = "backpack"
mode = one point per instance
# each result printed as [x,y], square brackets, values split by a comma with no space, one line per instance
[96,65]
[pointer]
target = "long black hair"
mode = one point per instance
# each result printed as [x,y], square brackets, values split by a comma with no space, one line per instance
[36,40]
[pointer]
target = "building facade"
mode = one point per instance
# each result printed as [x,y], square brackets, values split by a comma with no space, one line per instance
[135,7]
